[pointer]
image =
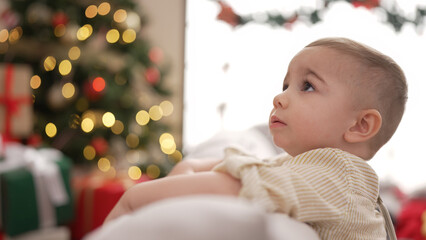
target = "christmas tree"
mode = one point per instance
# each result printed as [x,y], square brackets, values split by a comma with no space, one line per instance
[98,91]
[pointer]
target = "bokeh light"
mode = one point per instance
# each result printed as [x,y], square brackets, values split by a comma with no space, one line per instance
[134,172]
[153,171]
[74,53]
[104,8]
[167,143]
[98,84]
[112,36]
[156,113]
[49,63]
[89,152]
[51,130]
[132,140]
[120,15]
[118,127]
[15,34]
[4,35]
[166,107]
[87,125]
[129,35]
[84,32]
[176,156]
[142,117]
[65,67]
[35,82]
[68,90]
[91,11]
[108,119]
[59,30]
[104,164]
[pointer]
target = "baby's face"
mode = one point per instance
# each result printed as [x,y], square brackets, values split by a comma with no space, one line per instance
[315,107]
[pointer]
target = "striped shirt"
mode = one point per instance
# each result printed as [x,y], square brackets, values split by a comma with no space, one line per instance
[333,191]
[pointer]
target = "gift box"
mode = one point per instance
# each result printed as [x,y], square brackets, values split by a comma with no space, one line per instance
[16,110]
[35,190]
[96,194]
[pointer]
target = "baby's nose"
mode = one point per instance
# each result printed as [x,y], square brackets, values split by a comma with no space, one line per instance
[281,100]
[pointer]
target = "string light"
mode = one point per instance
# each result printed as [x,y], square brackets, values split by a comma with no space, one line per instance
[129,35]
[51,130]
[74,53]
[89,152]
[167,143]
[104,8]
[68,90]
[87,125]
[49,63]
[132,140]
[134,172]
[142,117]
[59,30]
[98,84]
[65,67]
[156,113]
[84,32]
[167,108]
[4,35]
[153,171]
[108,119]
[118,127]
[176,156]
[35,82]
[104,164]
[91,11]
[120,15]
[15,34]
[112,36]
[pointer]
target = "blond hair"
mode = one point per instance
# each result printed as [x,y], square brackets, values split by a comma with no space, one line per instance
[385,83]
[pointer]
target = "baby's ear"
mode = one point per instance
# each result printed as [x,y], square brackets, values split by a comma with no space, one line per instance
[367,125]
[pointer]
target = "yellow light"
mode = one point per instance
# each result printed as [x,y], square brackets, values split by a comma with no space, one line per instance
[51,130]
[74,53]
[15,34]
[82,104]
[91,11]
[155,113]
[168,146]
[49,63]
[112,36]
[166,136]
[104,8]
[176,156]
[167,108]
[35,82]
[84,32]
[108,119]
[120,15]
[59,30]
[65,67]
[74,121]
[68,90]
[89,152]
[4,35]
[142,117]
[134,172]
[129,35]
[104,164]
[132,140]
[153,171]
[118,127]
[87,125]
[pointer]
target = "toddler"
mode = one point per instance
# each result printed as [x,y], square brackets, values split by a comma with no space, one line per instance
[341,102]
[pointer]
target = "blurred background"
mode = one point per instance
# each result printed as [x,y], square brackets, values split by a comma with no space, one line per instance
[100,95]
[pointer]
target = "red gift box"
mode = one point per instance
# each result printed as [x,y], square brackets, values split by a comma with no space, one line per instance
[15,101]
[96,195]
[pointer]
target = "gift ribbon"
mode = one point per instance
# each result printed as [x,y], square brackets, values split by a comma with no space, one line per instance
[50,188]
[11,103]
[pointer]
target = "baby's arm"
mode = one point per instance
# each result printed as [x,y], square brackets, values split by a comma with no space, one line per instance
[208,182]
[193,165]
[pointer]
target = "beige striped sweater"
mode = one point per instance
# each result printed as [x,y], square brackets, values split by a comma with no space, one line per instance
[333,191]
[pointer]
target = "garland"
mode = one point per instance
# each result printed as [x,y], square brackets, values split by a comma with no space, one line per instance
[393,17]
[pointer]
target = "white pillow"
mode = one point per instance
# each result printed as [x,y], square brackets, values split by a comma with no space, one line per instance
[203,217]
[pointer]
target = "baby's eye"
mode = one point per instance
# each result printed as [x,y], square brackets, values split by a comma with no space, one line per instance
[285,87]
[307,87]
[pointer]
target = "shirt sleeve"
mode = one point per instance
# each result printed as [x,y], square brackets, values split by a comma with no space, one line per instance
[311,187]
